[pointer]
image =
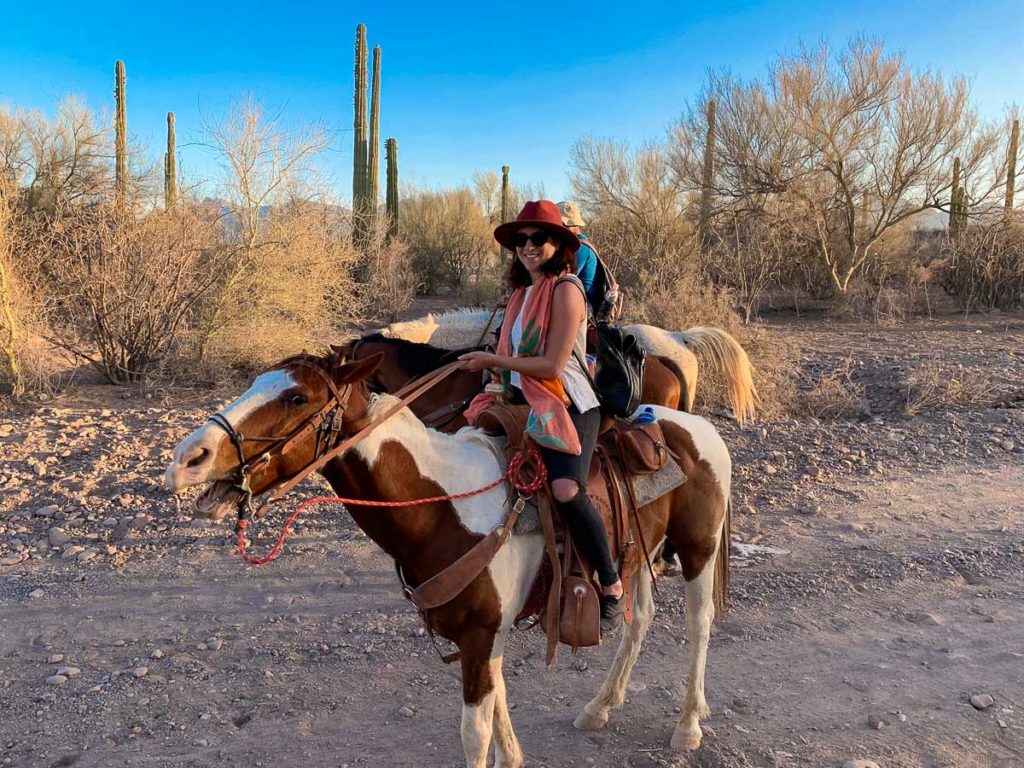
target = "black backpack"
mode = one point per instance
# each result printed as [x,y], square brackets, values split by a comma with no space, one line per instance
[619,381]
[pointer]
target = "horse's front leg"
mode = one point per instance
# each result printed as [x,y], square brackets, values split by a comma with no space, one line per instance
[508,753]
[480,688]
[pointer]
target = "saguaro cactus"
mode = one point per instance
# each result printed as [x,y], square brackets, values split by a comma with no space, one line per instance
[170,168]
[373,152]
[120,131]
[504,199]
[709,173]
[1011,166]
[391,191]
[954,199]
[359,135]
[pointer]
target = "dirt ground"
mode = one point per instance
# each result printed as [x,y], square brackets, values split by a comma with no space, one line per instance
[894,596]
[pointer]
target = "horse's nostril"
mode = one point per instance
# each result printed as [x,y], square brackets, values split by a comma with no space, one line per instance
[199,458]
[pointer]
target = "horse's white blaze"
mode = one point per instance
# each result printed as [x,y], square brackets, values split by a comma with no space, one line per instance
[710,445]
[265,389]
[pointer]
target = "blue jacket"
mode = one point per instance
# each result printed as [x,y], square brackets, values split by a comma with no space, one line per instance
[586,270]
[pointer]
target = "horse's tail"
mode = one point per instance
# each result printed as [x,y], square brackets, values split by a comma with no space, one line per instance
[731,359]
[721,587]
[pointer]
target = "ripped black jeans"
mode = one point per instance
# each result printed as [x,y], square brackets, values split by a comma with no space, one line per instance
[584,521]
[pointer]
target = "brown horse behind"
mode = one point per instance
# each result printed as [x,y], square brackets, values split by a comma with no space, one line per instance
[442,407]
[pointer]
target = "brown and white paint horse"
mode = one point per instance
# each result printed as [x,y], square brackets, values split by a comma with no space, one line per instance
[403,460]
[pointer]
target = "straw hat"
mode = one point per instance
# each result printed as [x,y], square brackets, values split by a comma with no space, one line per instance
[571,214]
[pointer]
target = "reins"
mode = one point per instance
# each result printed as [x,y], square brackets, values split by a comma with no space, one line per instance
[518,474]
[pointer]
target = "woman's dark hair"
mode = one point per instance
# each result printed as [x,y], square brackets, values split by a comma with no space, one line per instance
[564,260]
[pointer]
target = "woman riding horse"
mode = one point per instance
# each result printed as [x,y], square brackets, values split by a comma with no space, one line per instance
[541,356]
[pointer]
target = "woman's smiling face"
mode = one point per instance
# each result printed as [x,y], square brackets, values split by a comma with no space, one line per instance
[530,254]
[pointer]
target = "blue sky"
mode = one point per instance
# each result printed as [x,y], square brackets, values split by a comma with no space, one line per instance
[467,86]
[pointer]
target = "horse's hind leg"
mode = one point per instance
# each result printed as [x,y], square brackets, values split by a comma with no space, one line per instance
[507,752]
[613,690]
[700,610]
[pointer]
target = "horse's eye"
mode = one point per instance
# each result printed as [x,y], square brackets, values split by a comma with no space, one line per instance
[298,400]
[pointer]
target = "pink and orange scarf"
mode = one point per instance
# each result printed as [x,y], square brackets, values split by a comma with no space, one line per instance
[549,423]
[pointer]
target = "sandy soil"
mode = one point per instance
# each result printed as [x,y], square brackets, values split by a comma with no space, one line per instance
[898,597]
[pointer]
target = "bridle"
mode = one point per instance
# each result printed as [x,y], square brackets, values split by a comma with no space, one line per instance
[326,422]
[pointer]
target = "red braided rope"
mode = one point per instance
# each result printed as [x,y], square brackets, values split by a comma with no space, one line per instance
[526,473]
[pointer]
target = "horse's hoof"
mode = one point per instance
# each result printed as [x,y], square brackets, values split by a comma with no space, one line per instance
[587,722]
[685,740]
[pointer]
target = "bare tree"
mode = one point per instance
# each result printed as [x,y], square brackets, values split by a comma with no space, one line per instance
[265,166]
[120,288]
[638,208]
[825,133]
[65,159]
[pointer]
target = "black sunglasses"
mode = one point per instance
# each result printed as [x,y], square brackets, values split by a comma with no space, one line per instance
[538,239]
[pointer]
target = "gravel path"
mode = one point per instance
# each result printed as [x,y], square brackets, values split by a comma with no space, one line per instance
[887,626]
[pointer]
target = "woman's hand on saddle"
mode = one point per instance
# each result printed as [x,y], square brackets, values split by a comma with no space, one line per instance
[478,361]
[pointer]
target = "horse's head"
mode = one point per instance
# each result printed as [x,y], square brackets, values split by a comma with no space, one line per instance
[292,413]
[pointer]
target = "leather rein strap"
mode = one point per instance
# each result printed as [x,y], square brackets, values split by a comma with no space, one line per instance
[406,395]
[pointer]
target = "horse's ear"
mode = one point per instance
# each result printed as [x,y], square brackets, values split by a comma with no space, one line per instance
[341,352]
[358,370]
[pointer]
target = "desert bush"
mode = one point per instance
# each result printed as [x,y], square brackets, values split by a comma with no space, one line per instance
[833,395]
[935,385]
[289,293]
[13,301]
[984,265]
[291,268]
[119,288]
[387,284]
[636,210]
[448,236]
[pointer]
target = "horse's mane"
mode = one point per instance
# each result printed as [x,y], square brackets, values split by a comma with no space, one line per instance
[327,362]
[418,359]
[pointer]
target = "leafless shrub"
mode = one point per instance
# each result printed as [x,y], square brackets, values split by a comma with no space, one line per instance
[389,285]
[293,290]
[636,210]
[984,265]
[14,304]
[835,395]
[119,289]
[290,277]
[448,236]
[934,385]
[670,295]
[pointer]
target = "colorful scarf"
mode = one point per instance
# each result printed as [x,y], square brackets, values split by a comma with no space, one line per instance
[549,423]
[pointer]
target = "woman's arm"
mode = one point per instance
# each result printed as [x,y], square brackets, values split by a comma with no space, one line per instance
[568,310]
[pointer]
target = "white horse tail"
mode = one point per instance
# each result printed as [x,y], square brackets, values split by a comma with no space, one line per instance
[732,360]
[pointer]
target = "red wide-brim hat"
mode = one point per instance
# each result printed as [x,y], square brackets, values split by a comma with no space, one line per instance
[542,214]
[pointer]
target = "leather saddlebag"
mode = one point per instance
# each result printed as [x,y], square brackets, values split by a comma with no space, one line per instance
[643,448]
[580,620]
